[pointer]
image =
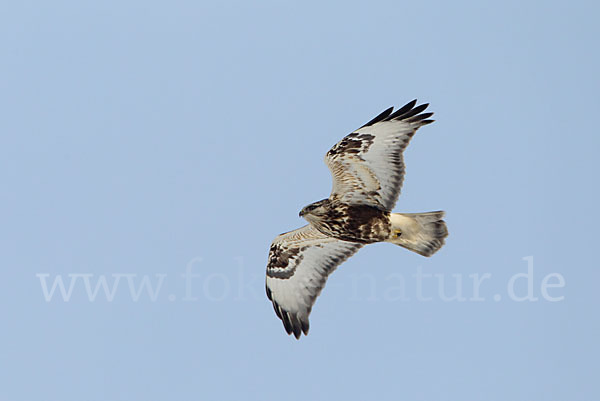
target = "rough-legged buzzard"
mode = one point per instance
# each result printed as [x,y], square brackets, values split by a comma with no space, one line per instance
[368,169]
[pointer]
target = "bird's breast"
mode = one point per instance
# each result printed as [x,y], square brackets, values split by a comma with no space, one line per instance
[355,223]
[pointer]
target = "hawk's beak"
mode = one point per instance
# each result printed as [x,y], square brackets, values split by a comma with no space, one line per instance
[301,214]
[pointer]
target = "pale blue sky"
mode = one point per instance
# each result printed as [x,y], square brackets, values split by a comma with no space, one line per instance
[139,138]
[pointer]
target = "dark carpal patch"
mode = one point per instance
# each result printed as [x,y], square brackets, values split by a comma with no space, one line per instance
[352,144]
[282,262]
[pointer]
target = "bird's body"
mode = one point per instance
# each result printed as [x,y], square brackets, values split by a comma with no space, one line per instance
[356,223]
[368,169]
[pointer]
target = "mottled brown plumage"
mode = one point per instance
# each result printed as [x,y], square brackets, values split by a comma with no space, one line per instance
[357,223]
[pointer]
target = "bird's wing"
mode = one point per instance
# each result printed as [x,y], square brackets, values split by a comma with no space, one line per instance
[367,165]
[299,263]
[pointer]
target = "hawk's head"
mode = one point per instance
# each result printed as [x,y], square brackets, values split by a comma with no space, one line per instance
[315,210]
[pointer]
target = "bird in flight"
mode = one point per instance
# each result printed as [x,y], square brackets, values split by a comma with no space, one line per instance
[368,169]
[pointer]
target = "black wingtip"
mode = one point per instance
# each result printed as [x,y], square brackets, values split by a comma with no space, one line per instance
[380,117]
[404,109]
[287,324]
[305,326]
[420,117]
[292,324]
[410,112]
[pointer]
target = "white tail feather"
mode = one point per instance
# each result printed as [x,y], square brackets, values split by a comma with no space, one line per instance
[423,233]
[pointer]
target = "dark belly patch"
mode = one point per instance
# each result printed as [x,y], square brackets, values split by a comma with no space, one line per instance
[364,224]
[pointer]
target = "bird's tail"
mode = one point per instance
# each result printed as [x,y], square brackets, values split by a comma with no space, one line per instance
[423,233]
